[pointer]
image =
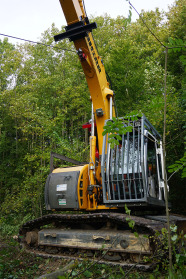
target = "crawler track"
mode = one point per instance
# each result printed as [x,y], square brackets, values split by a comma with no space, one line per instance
[107,223]
[117,218]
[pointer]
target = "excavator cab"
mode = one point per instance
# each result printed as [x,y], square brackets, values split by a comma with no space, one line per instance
[132,171]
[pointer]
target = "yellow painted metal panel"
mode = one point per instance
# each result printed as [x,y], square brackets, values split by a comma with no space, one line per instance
[68,169]
[83,183]
[72,10]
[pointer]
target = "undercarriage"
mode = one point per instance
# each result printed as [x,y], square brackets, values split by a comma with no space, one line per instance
[103,237]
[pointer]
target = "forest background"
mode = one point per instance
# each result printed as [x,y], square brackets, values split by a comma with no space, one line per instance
[44,100]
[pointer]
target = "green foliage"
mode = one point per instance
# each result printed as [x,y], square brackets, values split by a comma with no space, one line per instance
[16,264]
[179,165]
[130,222]
[160,256]
[117,127]
[176,45]
[42,111]
[129,18]
[85,270]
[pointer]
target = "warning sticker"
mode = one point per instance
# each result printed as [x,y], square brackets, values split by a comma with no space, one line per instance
[61,187]
[62,202]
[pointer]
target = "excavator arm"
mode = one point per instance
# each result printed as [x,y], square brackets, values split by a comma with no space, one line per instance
[78,30]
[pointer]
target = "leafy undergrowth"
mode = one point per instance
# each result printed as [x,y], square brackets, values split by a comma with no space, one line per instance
[16,263]
[85,270]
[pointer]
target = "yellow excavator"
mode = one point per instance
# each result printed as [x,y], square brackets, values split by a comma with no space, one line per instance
[129,173]
[92,197]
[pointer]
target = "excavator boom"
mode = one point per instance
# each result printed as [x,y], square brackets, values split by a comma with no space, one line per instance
[79,30]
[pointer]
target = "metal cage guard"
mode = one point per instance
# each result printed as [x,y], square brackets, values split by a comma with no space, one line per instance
[131,171]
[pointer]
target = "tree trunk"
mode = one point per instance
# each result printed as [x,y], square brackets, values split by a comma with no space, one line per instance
[164,159]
